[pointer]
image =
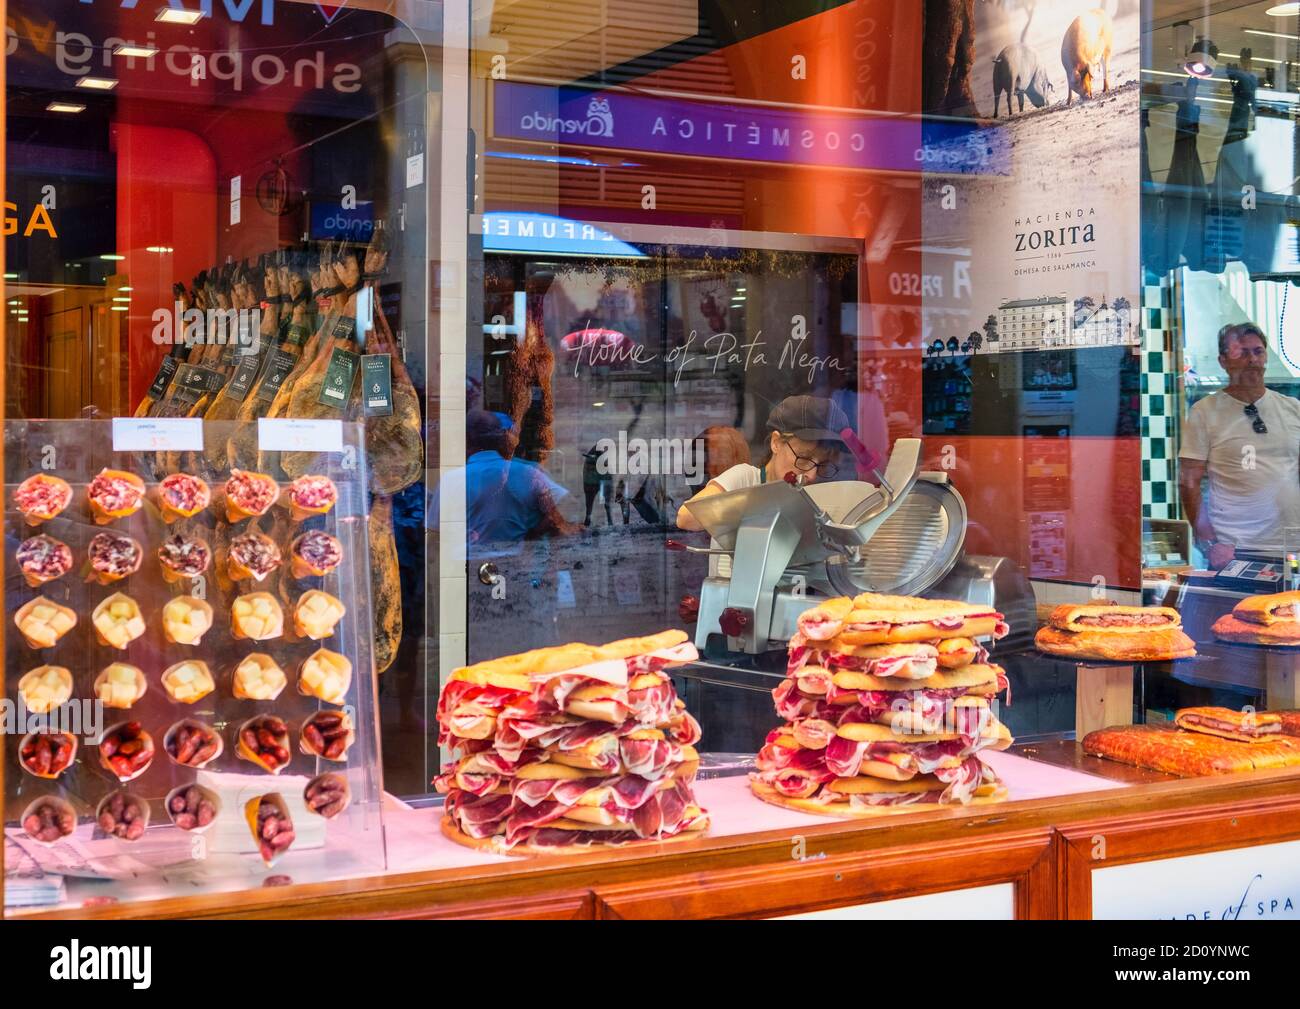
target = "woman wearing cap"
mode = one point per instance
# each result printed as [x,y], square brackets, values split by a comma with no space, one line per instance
[804,440]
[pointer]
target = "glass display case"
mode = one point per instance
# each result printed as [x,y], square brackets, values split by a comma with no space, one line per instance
[218,653]
[786,428]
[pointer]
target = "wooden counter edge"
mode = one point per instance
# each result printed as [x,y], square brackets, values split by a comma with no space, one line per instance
[1048,835]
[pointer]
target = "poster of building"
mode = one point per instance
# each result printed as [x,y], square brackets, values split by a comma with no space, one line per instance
[1052,238]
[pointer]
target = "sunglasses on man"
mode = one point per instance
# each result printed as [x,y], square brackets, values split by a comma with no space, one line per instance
[1256,421]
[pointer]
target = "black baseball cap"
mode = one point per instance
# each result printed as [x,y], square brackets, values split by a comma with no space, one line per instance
[812,418]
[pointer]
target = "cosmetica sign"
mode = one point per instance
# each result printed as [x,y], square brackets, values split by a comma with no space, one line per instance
[776,135]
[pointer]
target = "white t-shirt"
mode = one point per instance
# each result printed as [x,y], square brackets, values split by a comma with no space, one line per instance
[1254,479]
[739,477]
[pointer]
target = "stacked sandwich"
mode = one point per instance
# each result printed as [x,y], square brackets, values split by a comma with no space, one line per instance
[1113,633]
[1262,620]
[885,705]
[565,748]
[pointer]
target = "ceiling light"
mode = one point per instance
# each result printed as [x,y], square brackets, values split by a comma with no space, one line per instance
[64,107]
[597,404]
[121,299]
[159,249]
[11,276]
[112,257]
[120,308]
[1284,10]
[126,288]
[1272,35]
[97,83]
[1202,58]
[172,16]
[131,50]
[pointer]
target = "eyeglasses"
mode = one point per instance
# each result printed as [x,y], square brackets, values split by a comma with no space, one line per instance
[1256,421]
[804,464]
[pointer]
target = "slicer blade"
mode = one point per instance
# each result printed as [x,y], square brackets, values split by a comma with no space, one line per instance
[913,550]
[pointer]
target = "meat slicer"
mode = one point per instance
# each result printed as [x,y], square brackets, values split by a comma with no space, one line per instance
[792,546]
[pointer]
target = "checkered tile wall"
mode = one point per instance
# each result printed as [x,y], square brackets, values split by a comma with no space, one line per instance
[1160,401]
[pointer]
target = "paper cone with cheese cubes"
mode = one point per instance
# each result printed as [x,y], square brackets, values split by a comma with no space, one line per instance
[885,707]
[568,748]
[42,622]
[257,617]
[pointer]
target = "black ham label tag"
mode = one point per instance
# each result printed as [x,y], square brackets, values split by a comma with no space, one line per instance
[339,376]
[344,328]
[197,382]
[297,335]
[242,380]
[166,371]
[377,385]
[277,371]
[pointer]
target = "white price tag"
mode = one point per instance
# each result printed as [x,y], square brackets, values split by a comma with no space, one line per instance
[415,170]
[284,434]
[155,434]
[236,188]
[234,210]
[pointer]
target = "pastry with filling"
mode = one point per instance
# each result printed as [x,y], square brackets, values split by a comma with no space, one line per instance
[1107,632]
[1279,607]
[1244,726]
[1189,754]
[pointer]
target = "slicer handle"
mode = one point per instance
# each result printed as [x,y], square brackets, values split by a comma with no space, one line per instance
[678,545]
[868,462]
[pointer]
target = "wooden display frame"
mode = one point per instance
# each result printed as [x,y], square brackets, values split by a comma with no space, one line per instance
[1043,847]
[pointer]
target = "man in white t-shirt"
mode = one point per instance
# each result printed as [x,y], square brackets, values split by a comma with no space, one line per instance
[1246,439]
[805,435]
